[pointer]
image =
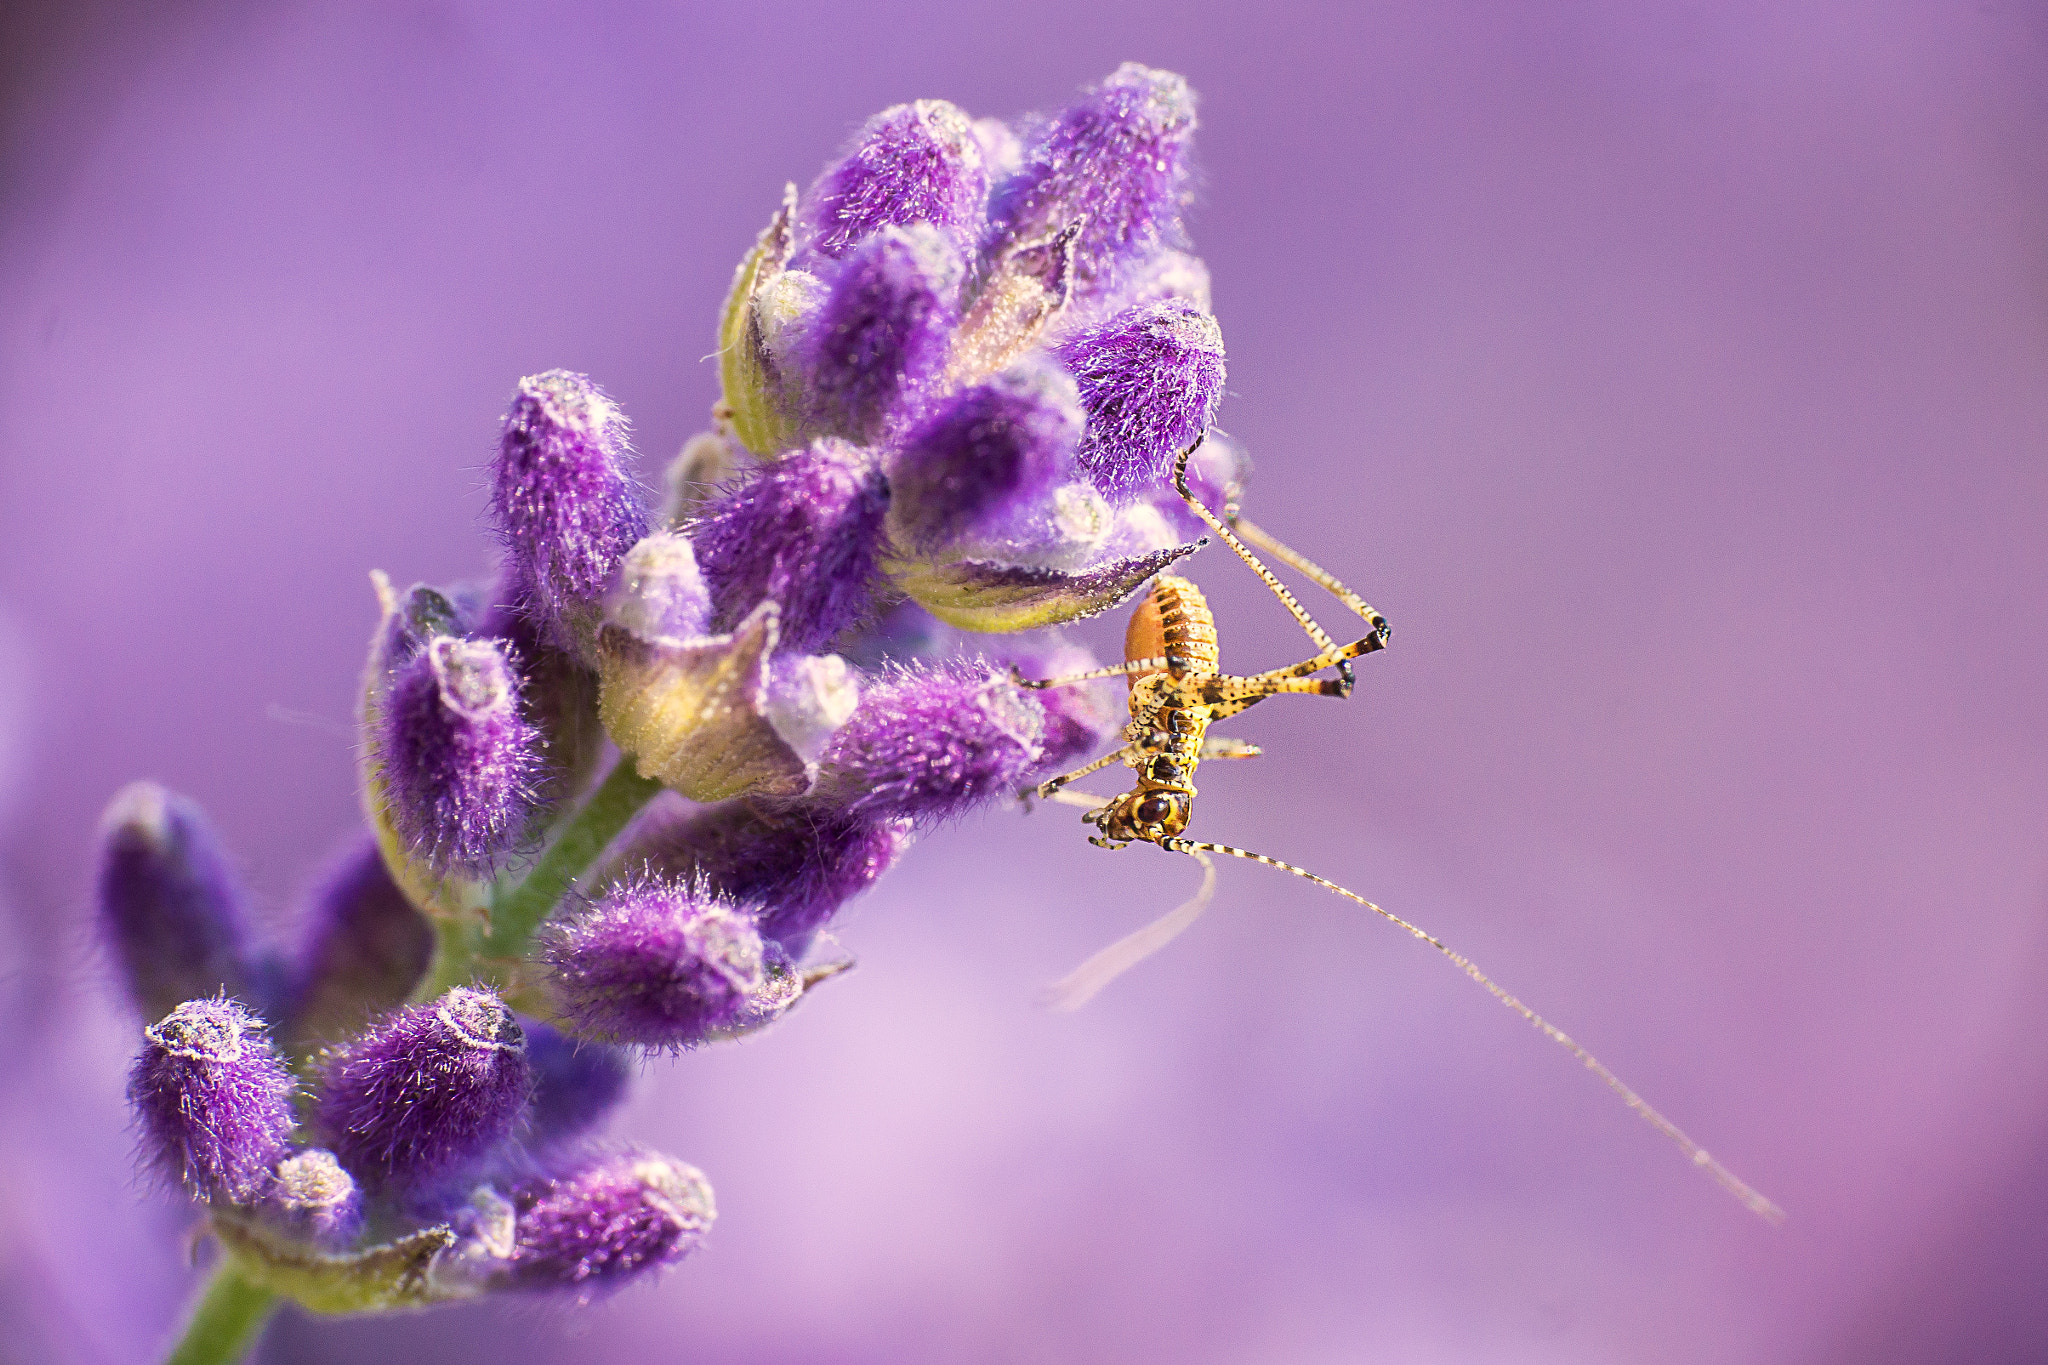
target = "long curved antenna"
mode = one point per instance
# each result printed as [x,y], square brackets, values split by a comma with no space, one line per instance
[1751,1199]
[1081,985]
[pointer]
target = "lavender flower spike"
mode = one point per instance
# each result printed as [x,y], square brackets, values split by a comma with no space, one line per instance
[312,1199]
[915,163]
[927,744]
[878,347]
[562,501]
[804,532]
[1151,378]
[428,1092]
[459,762]
[607,1219]
[170,907]
[655,962]
[1116,162]
[212,1099]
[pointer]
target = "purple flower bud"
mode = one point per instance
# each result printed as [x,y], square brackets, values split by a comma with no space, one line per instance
[660,592]
[213,1100]
[927,744]
[562,501]
[459,762]
[1151,378]
[314,1200]
[607,1218]
[366,949]
[1116,162]
[171,909]
[986,455]
[804,532]
[800,864]
[878,346]
[1080,719]
[914,163]
[575,1085]
[427,1092]
[656,962]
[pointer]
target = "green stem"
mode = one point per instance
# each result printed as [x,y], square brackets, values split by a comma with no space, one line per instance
[226,1322]
[516,915]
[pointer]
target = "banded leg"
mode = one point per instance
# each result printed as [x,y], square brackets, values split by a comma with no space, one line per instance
[1151,665]
[1323,641]
[1052,785]
[1223,690]
[1309,569]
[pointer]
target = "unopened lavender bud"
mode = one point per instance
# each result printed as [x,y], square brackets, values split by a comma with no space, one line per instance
[575,1085]
[1117,163]
[928,744]
[312,1199]
[985,457]
[427,1092]
[171,909]
[800,864]
[660,592]
[914,163]
[1151,379]
[804,532]
[563,502]
[365,950]
[878,346]
[607,1219]
[212,1099]
[655,962]
[460,763]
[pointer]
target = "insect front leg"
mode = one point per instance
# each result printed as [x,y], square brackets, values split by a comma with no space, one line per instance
[1114,671]
[1053,784]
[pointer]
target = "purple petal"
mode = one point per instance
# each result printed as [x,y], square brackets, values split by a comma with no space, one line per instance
[606,1219]
[879,345]
[213,1100]
[1151,379]
[914,163]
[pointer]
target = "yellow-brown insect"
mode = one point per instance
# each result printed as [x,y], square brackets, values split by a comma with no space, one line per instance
[1177,691]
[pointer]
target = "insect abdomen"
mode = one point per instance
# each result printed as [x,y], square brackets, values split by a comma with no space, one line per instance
[1173,619]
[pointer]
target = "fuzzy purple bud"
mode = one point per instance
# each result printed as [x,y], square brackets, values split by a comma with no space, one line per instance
[213,1100]
[460,762]
[1117,163]
[878,346]
[608,1218]
[575,1085]
[927,744]
[985,455]
[655,962]
[800,863]
[427,1092]
[914,163]
[562,501]
[804,532]
[312,1199]
[171,909]
[366,948]
[1151,379]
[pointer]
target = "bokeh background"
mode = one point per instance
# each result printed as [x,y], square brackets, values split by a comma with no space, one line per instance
[1671,374]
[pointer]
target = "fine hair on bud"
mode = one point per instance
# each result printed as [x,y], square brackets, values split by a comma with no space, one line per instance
[1116,162]
[656,962]
[607,1217]
[804,532]
[171,910]
[212,1100]
[1151,379]
[878,346]
[914,163]
[426,1093]
[562,500]
[932,742]
[460,762]
[312,1199]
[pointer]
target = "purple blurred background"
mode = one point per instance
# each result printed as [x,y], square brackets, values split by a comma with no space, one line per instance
[1671,375]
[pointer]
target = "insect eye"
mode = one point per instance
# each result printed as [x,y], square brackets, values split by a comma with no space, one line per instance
[1153,809]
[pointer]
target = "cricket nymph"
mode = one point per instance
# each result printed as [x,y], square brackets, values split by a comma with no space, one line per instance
[1166,729]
